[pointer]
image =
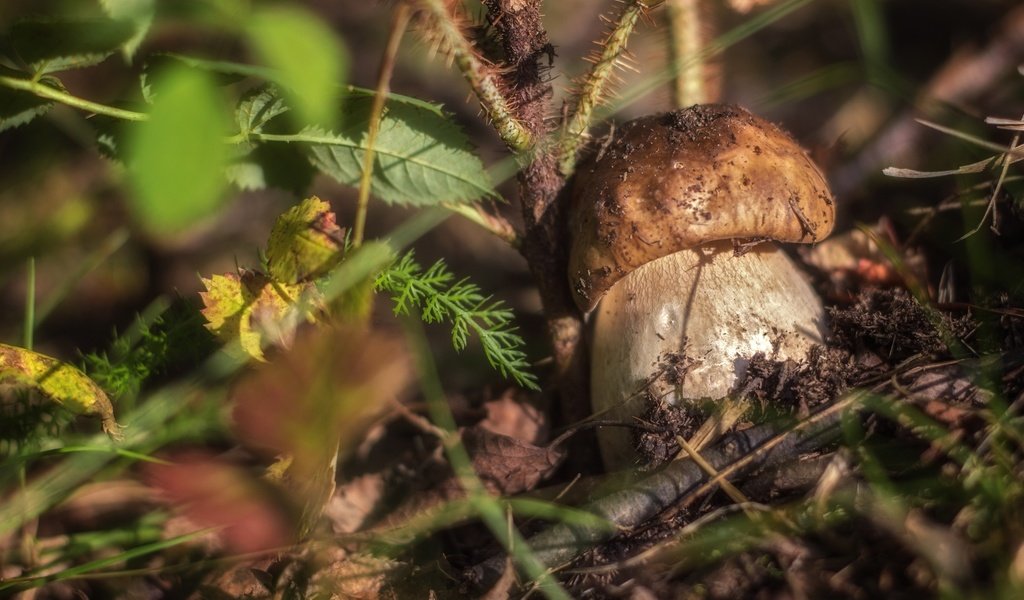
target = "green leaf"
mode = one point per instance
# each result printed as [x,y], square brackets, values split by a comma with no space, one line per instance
[178,157]
[311,61]
[138,13]
[61,382]
[422,158]
[257,109]
[305,242]
[17,107]
[51,45]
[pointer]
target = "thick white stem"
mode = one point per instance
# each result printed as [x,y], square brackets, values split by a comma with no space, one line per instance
[711,309]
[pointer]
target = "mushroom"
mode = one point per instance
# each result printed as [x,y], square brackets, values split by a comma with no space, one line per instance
[673,224]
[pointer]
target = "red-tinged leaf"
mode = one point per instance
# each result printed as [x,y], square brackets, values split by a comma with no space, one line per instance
[250,514]
[315,400]
[253,310]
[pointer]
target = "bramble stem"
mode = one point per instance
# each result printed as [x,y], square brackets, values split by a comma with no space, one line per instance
[51,93]
[594,85]
[479,76]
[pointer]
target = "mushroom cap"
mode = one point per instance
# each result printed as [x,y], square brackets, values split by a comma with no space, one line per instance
[677,180]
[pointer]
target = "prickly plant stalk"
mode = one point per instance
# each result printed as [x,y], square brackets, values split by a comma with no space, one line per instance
[443,25]
[593,88]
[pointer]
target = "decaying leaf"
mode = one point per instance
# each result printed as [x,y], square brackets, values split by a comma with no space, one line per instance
[315,401]
[253,309]
[508,465]
[305,242]
[61,382]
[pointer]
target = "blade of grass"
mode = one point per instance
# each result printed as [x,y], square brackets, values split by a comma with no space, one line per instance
[111,244]
[487,507]
[23,583]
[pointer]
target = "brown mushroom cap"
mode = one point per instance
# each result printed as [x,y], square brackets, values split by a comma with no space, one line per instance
[678,180]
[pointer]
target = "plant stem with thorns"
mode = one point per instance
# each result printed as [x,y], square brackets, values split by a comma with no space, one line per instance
[480,76]
[594,85]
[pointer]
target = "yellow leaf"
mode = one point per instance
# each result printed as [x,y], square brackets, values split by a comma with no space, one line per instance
[305,242]
[254,310]
[59,381]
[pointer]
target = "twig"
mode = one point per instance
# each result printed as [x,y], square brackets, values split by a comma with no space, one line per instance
[399,22]
[991,206]
[594,85]
[480,76]
[630,507]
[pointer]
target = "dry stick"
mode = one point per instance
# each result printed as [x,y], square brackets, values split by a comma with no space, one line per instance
[399,22]
[480,76]
[631,507]
[594,85]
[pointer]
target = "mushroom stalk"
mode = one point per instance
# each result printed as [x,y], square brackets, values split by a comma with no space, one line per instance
[684,328]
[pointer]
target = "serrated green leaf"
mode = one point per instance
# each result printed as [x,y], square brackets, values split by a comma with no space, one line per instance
[311,62]
[18,108]
[305,242]
[246,175]
[59,381]
[178,157]
[51,45]
[139,13]
[257,109]
[422,158]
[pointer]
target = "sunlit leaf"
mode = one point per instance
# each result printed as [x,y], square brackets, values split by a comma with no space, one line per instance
[251,310]
[422,157]
[305,242]
[47,46]
[311,61]
[61,382]
[178,157]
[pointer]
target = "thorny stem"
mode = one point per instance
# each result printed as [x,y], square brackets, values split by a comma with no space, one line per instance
[688,26]
[525,45]
[480,76]
[399,22]
[594,85]
[51,93]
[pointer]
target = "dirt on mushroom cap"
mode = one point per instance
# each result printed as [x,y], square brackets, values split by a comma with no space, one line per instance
[678,180]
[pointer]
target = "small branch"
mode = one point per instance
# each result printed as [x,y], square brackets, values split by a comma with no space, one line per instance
[51,93]
[632,506]
[688,28]
[399,22]
[594,85]
[480,76]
